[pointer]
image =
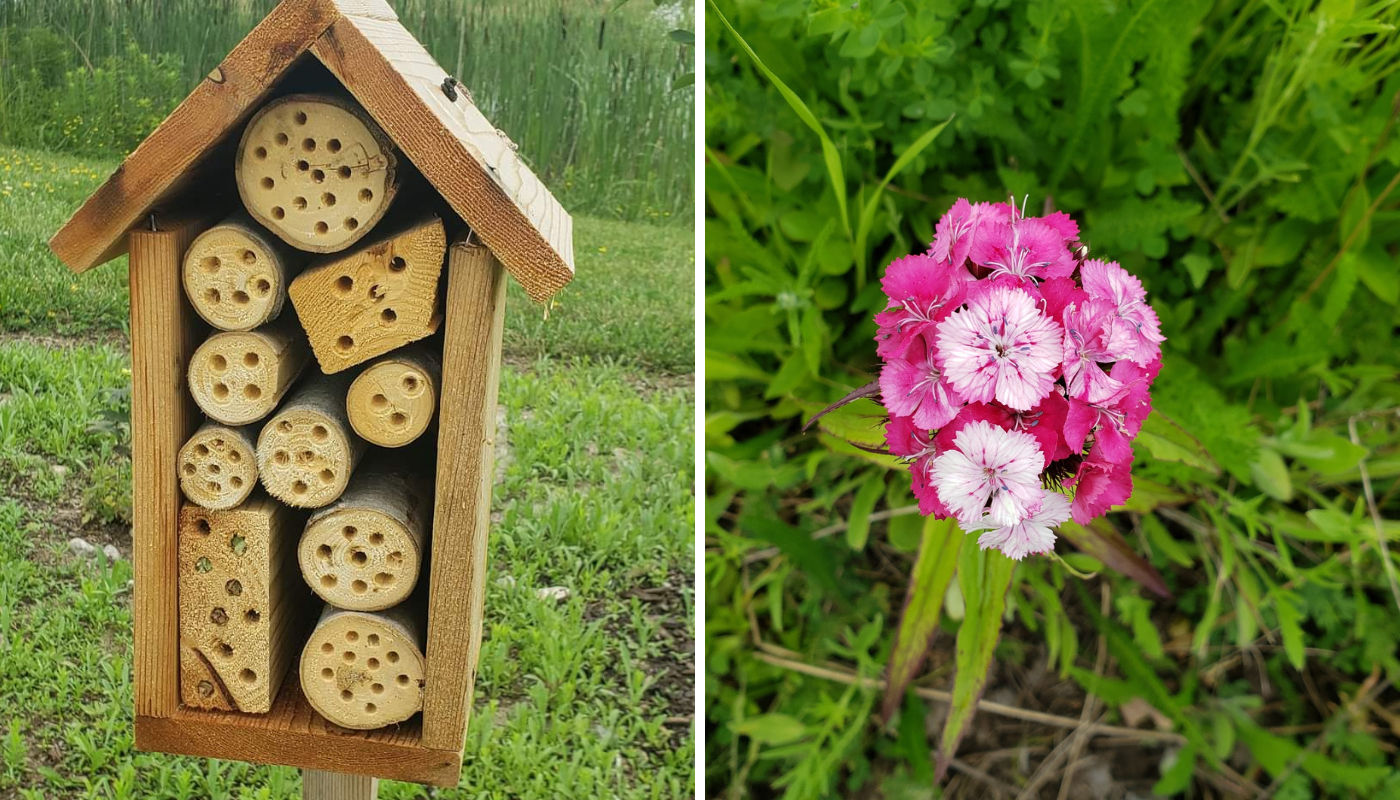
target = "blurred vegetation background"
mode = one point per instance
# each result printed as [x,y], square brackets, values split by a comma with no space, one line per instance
[596,93]
[1241,158]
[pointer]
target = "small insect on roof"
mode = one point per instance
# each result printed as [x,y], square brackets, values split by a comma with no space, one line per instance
[428,114]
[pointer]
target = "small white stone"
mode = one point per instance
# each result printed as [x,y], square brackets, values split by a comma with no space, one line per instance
[555,593]
[506,581]
[81,546]
[112,553]
[59,470]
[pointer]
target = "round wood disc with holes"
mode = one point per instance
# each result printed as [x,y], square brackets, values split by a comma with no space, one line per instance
[305,456]
[392,402]
[364,670]
[218,466]
[359,559]
[235,276]
[316,170]
[237,377]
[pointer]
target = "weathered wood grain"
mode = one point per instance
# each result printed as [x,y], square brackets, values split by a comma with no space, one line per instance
[319,785]
[471,364]
[236,274]
[219,465]
[306,452]
[164,333]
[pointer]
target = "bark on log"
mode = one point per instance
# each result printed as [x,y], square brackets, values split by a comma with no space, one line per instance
[219,466]
[238,377]
[364,669]
[306,451]
[316,171]
[394,399]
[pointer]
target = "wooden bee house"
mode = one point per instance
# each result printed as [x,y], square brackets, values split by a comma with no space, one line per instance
[318,239]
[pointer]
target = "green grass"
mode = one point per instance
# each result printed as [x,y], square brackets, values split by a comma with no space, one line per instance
[586,92]
[573,698]
[630,302]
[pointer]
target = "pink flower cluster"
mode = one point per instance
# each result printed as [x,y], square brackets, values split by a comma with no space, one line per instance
[1016,374]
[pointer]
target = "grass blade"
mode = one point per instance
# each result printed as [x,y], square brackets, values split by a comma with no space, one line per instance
[984,576]
[867,214]
[938,557]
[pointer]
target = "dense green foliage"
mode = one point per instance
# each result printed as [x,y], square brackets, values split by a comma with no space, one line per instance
[594,98]
[1240,157]
[593,494]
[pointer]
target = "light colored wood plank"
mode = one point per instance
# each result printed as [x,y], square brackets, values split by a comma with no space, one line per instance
[221,102]
[473,165]
[362,304]
[243,606]
[471,367]
[318,785]
[163,337]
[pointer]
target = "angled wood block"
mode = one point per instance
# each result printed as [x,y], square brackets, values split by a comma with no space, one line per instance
[317,171]
[376,299]
[243,607]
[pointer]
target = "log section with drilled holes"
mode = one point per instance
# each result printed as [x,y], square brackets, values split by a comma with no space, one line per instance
[219,466]
[393,400]
[364,669]
[242,604]
[364,552]
[377,299]
[317,171]
[237,377]
[236,275]
[306,452]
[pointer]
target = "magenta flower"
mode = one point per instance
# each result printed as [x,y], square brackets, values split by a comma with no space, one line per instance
[1115,421]
[1136,333]
[1099,486]
[914,445]
[922,291]
[990,464]
[1022,248]
[1088,326]
[1000,347]
[1045,422]
[952,237]
[914,386]
[1031,535]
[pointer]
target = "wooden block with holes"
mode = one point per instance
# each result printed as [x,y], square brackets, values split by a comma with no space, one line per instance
[373,300]
[355,161]
[242,604]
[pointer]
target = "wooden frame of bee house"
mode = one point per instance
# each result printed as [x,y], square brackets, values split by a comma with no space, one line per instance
[180,182]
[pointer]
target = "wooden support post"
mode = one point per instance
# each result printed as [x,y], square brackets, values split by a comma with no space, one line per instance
[219,466]
[242,604]
[394,399]
[364,669]
[471,366]
[163,337]
[317,171]
[318,785]
[364,552]
[376,299]
[306,452]
[236,274]
[237,377]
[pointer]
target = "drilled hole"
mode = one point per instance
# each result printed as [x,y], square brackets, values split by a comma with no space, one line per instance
[327,477]
[301,118]
[318,175]
[327,199]
[252,392]
[397,264]
[373,640]
[319,433]
[327,647]
[376,538]
[346,695]
[278,212]
[212,487]
[281,458]
[281,138]
[358,557]
[214,469]
[344,284]
[219,364]
[370,708]
[218,616]
[211,263]
[189,468]
[328,674]
[345,344]
[299,487]
[383,579]
[396,558]
[211,296]
[387,316]
[333,145]
[220,391]
[285,426]
[262,286]
[260,153]
[233,455]
[250,359]
[247,675]
[267,183]
[322,227]
[402,680]
[393,657]
[206,689]
[372,663]
[377,688]
[233,587]
[303,166]
[305,457]
[203,564]
[398,420]
[352,636]
[251,616]
[328,581]
[379,401]
[225,649]
[410,383]
[359,587]
[241,297]
[351,224]
[349,657]
[201,450]
[309,145]
[324,552]
[237,482]
[349,531]
[202,526]
[300,203]
[248,256]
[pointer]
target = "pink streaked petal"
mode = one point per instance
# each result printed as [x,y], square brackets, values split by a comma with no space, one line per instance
[1000,347]
[905,439]
[1031,536]
[1063,224]
[1099,486]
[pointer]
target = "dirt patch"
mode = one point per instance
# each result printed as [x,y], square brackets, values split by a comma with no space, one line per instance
[673,692]
[66,341]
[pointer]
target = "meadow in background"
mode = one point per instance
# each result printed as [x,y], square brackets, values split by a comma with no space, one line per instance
[1241,158]
[596,93]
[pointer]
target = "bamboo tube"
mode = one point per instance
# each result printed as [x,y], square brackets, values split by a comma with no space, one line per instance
[240,617]
[364,669]
[316,171]
[306,451]
[393,400]
[364,552]
[376,299]
[219,466]
[236,274]
[238,377]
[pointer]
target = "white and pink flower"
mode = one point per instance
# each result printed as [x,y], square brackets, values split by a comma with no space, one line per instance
[1001,347]
[992,473]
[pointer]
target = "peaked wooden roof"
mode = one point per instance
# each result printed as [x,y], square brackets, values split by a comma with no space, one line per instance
[466,159]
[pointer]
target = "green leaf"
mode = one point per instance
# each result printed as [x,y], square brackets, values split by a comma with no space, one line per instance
[1286,605]
[918,623]
[1177,777]
[830,155]
[858,524]
[1168,441]
[867,214]
[1198,267]
[1101,541]
[1271,475]
[1276,753]
[681,36]
[985,576]
[771,728]
[1380,273]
